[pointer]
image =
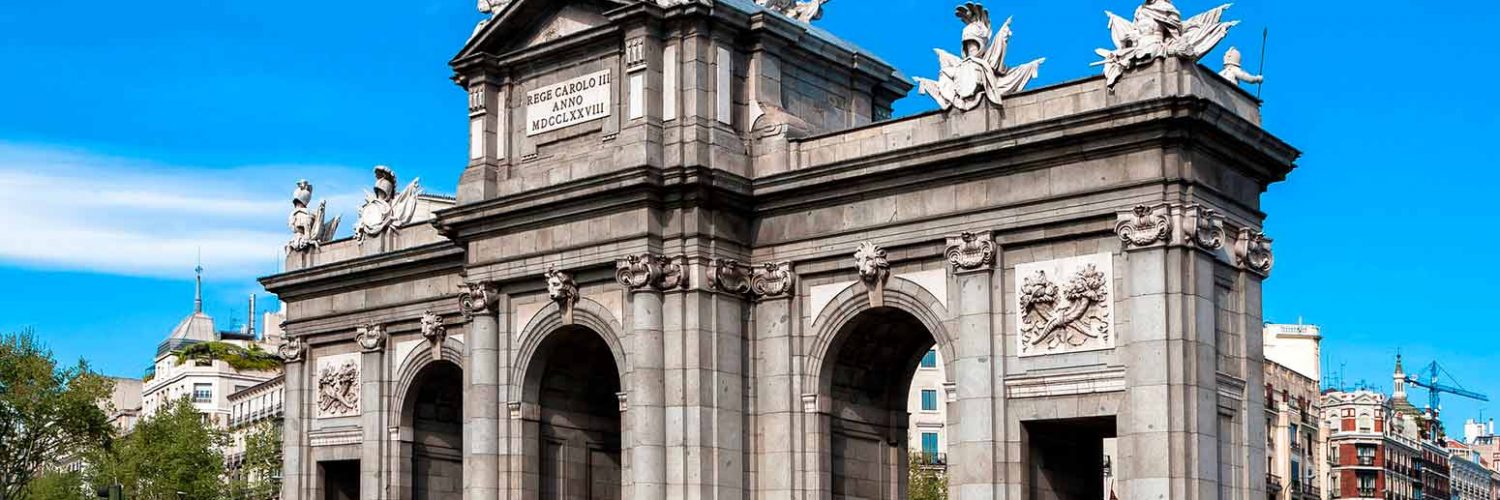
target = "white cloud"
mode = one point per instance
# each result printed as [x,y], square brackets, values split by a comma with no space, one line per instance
[64,209]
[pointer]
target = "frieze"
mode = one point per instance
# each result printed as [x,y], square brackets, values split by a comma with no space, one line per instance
[338,386]
[971,251]
[650,271]
[370,337]
[1064,305]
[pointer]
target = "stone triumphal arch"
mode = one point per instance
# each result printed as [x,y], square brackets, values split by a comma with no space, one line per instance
[692,256]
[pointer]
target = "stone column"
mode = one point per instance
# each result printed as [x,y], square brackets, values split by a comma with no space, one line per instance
[775,441]
[974,455]
[372,407]
[645,276]
[1172,423]
[482,400]
[294,465]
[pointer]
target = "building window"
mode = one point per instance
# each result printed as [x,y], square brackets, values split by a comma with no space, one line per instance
[929,445]
[202,393]
[929,360]
[1366,454]
[929,399]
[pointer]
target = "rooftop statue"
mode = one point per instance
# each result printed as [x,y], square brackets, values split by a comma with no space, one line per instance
[981,73]
[491,8]
[1159,32]
[1233,72]
[805,11]
[385,208]
[309,229]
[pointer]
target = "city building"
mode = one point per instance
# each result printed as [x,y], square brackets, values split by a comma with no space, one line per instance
[703,215]
[927,404]
[1295,449]
[124,403]
[1373,451]
[1470,478]
[207,383]
[252,410]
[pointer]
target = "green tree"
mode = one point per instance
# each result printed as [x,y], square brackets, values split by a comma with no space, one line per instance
[174,451]
[46,410]
[925,482]
[57,485]
[259,474]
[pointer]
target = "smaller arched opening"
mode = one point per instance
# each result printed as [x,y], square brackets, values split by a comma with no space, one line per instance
[574,383]
[866,377]
[432,445]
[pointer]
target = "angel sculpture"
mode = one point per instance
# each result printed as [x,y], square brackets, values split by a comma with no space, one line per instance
[981,73]
[1159,32]
[309,229]
[805,11]
[385,208]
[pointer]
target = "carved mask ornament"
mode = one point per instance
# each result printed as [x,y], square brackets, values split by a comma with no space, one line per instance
[564,292]
[435,333]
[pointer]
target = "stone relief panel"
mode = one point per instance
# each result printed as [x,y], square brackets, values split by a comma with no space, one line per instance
[338,385]
[1064,305]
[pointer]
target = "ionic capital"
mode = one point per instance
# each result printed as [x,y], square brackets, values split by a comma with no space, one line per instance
[650,272]
[477,298]
[371,337]
[1252,251]
[971,251]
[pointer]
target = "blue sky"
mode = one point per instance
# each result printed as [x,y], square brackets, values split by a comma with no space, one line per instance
[134,135]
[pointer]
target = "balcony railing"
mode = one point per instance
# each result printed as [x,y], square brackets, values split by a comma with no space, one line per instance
[1365,461]
[1273,483]
[1366,492]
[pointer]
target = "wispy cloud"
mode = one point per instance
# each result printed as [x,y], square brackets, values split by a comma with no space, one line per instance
[67,209]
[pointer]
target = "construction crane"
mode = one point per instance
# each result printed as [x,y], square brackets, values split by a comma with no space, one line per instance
[1435,387]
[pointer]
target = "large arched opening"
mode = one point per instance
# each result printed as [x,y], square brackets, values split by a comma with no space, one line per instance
[866,376]
[575,384]
[433,412]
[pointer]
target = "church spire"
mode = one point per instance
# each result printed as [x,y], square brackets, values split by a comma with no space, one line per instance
[1398,380]
[198,287]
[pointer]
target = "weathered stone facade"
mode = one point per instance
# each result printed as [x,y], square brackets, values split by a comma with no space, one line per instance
[660,302]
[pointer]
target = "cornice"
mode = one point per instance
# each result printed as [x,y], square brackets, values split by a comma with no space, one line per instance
[361,271]
[1155,121]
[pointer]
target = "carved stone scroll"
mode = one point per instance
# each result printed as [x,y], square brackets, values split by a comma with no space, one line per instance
[650,271]
[370,337]
[772,280]
[1252,251]
[1145,225]
[477,298]
[729,275]
[971,251]
[291,349]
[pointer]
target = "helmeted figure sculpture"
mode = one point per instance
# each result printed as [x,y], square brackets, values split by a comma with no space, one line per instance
[806,11]
[980,74]
[384,208]
[309,228]
[1158,32]
[1232,70]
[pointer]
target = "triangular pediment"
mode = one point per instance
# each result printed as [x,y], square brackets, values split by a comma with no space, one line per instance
[525,23]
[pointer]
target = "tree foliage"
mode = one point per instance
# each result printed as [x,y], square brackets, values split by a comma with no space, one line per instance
[252,358]
[925,482]
[258,476]
[57,485]
[173,451]
[46,411]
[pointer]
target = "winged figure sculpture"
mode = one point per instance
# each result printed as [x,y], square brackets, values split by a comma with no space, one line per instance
[1158,32]
[980,74]
[385,208]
